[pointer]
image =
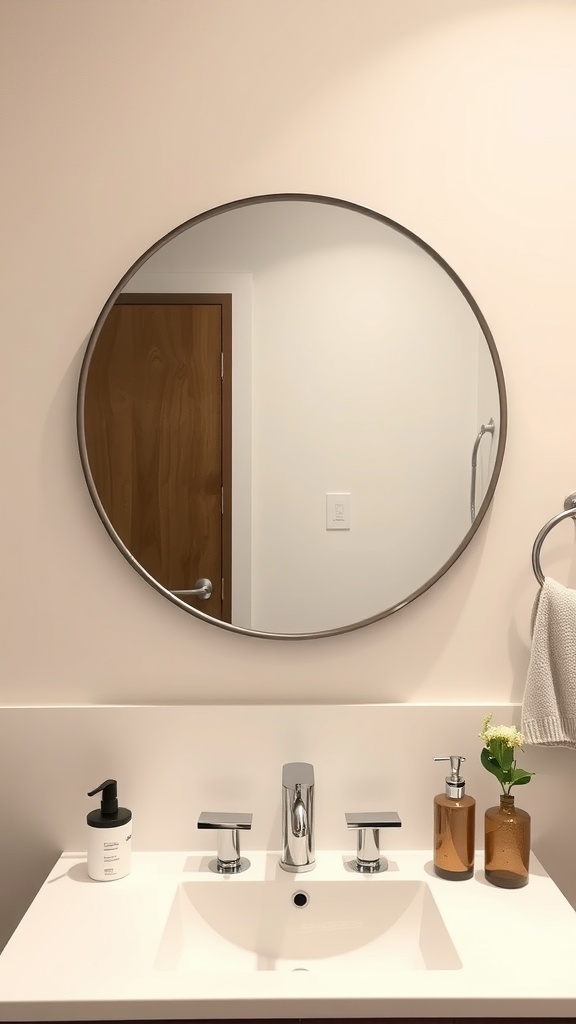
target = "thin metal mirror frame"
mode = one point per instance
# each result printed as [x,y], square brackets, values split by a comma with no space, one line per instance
[93,340]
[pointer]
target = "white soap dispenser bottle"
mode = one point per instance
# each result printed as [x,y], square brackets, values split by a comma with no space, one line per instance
[109,836]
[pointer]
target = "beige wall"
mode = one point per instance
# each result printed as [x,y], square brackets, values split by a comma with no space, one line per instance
[456,118]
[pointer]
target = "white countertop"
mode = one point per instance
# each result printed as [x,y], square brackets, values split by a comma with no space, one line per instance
[89,950]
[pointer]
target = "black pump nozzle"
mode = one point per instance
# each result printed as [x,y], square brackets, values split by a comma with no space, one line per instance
[109,790]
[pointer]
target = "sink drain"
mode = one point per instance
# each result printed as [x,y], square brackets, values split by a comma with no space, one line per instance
[300,899]
[294,969]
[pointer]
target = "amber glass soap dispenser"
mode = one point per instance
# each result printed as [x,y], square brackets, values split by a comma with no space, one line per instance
[454,826]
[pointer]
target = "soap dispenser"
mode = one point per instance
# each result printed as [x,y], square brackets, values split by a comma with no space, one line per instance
[109,836]
[454,826]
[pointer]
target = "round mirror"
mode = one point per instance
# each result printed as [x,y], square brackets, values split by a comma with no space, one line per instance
[291,416]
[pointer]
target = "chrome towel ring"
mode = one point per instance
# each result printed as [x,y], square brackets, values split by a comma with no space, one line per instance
[569,510]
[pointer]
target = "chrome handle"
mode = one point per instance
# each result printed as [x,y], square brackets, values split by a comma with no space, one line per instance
[225,819]
[486,428]
[228,860]
[202,589]
[367,825]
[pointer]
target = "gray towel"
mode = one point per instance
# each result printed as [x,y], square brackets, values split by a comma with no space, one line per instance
[549,707]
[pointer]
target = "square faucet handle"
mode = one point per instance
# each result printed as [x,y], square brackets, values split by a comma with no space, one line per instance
[224,819]
[228,860]
[372,819]
[367,825]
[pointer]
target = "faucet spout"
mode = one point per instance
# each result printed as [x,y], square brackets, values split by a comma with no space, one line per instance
[297,817]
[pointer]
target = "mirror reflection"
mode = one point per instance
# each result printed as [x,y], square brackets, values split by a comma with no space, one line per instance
[297,400]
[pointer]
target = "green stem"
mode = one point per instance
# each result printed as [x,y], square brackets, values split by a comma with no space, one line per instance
[505,790]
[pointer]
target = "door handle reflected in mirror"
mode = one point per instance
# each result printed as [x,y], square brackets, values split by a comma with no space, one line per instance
[202,589]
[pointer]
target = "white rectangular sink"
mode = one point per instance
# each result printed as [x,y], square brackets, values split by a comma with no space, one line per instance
[174,941]
[308,925]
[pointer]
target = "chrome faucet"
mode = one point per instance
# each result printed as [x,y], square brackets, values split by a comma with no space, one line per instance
[228,860]
[297,817]
[367,826]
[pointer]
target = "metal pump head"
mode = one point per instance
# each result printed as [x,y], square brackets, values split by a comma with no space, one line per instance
[454,782]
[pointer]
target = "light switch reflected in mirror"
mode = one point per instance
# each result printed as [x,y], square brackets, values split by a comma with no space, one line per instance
[283,397]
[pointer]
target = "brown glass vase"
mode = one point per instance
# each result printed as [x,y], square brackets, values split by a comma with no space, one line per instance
[506,844]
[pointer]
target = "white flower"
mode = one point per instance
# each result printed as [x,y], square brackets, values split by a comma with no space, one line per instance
[508,733]
[499,754]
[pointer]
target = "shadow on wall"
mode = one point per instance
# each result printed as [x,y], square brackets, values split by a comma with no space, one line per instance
[554,825]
